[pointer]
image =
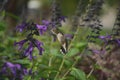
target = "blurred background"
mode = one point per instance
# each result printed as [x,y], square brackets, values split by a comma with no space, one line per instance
[14,11]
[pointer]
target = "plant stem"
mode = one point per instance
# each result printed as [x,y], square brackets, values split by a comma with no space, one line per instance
[69,69]
[62,63]
[75,35]
[49,65]
[73,64]
[90,73]
[50,59]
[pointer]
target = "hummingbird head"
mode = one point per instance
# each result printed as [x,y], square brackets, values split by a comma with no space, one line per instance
[55,31]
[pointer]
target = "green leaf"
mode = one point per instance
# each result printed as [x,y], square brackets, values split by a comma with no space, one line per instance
[22,61]
[56,53]
[78,74]
[72,52]
[70,78]
[43,66]
[68,62]
[81,44]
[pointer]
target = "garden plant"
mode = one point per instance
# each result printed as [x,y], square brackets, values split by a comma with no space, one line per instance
[48,49]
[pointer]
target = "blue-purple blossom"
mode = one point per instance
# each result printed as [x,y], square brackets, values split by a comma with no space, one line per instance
[29,50]
[21,27]
[118,41]
[41,28]
[39,46]
[20,43]
[30,72]
[62,18]
[105,38]
[25,71]
[46,23]
[16,70]
[98,51]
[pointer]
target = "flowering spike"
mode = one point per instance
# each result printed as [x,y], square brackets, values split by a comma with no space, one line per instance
[116,27]
[56,17]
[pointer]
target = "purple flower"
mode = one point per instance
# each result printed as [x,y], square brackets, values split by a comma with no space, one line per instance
[18,66]
[62,18]
[10,66]
[41,28]
[29,50]
[46,23]
[105,38]
[118,41]
[98,51]
[30,72]
[13,67]
[25,71]
[16,70]
[20,43]
[38,45]
[21,27]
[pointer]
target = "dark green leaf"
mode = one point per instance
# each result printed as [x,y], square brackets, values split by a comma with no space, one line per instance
[2,26]
[2,49]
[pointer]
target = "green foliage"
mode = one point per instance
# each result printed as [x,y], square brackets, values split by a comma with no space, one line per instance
[2,26]
[72,52]
[46,65]
[24,62]
[78,74]
[112,2]
[52,65]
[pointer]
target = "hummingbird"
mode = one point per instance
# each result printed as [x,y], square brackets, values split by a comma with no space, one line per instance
[62,40]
